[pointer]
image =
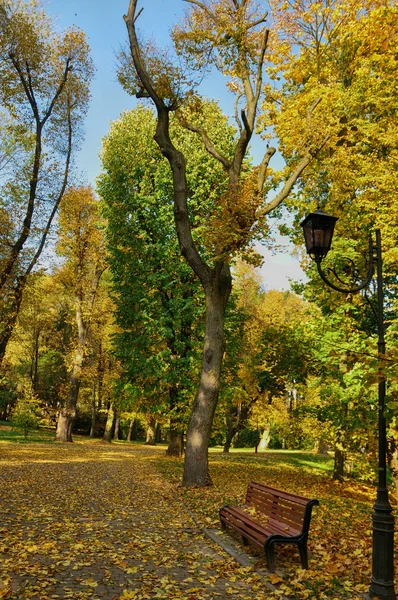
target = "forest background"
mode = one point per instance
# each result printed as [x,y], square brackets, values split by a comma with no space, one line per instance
[107,339]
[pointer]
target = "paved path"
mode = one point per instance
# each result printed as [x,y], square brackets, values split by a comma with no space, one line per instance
[94,521]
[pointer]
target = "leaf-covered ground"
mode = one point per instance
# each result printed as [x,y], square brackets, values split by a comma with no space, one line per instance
[90,520]
[340,542]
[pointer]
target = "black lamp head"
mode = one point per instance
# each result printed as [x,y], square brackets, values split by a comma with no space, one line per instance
[318,230]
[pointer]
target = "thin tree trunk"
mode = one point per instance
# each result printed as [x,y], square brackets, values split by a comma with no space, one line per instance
[265,439]
[176,441]
[150,432]
[229,432]
[130,431]
[321,446]
[158,434]
[109,424]
[68,411]
[232,429]
[93,410]
[196,468]
[339,462]
[117,427]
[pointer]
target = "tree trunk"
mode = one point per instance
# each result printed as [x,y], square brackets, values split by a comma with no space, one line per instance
[117,428]
[196,469]
[265,439]
[229,432]
[321,446]
[93,410]
[176,441]
[150,432]
[242,414]
[132,433]
[339,462]
[109,424]
[7,330]
[158,434]
[68,411]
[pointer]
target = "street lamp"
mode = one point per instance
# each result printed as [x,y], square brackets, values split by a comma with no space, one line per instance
[318,232]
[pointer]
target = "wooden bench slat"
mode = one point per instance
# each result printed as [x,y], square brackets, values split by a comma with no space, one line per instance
[287,520]
[291,514]
[280,493]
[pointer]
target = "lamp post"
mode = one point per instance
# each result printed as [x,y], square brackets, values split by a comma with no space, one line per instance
[318,230]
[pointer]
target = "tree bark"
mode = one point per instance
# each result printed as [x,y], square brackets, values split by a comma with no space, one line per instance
[339,462]
[117,427]
[176,441]
[150,431]
[132,433]
[321,446]
[265,439]
[232,429]
[107,437]
[158,434]
[67,414]
[196,469]
[93,410]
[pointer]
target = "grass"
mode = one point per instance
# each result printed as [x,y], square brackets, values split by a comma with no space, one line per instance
[16,435]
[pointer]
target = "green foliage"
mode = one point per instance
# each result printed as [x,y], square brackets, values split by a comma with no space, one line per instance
[159,302]
[26,413]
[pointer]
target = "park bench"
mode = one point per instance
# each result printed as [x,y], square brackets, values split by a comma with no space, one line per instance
[270,517]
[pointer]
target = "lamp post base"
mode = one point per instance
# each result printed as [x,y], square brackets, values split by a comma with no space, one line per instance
[382,584]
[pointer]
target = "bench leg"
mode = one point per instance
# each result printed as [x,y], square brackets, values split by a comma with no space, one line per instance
[270,556]
[245,541]
[223,525]
[303,554]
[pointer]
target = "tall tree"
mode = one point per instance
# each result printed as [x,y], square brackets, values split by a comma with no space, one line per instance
[159,302]
[44,91]
[231,36]
[81,242]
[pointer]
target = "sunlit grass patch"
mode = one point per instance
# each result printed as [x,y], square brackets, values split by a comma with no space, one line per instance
[16,435]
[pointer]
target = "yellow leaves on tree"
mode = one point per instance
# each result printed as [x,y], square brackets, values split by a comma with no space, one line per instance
[233,225]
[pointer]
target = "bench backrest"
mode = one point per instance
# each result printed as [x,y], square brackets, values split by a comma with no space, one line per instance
[292,510]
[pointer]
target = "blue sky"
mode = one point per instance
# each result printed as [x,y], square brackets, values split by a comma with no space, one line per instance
[102,21]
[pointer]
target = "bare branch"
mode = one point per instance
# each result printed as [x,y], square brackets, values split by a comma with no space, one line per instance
[207,142]
[59,197]
[58,92]
[258,21]
[246,124]
[259,78]
[202,7]
[142,73]
[287,188]
[263,169]
[313,107]
[176,159]
[26,87]
[236,107]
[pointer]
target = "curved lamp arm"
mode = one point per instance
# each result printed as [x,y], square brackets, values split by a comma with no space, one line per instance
[345,288]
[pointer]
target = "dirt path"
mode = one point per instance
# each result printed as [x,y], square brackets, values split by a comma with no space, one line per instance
[88,520]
